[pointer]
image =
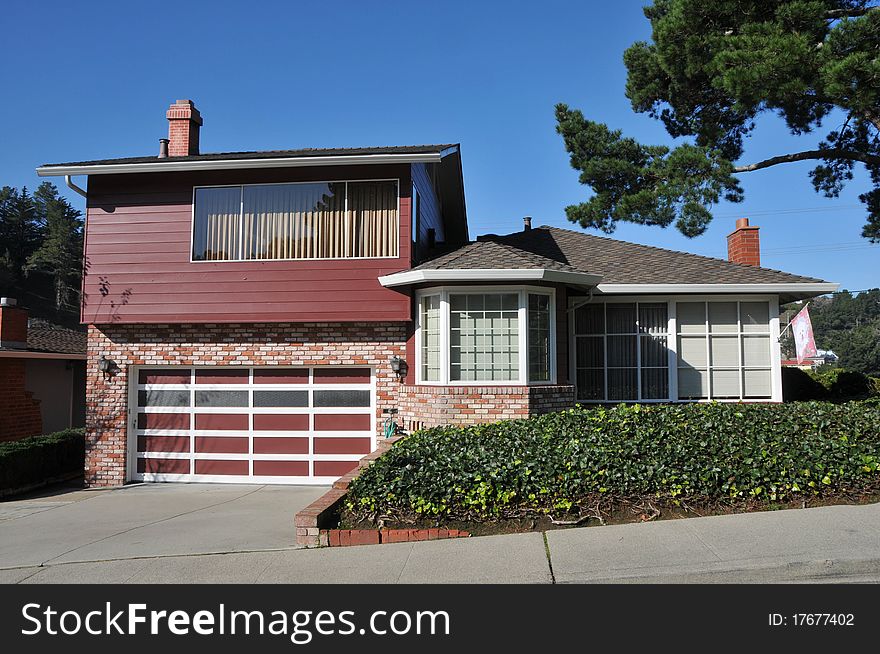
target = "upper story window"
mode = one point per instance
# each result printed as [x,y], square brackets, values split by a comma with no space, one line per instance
[310,220]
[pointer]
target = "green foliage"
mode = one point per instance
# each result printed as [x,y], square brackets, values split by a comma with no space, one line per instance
[710,69]
[564,461]
[843,384]
[849,325]
[60,254]
[32,460]
[800,386]
[41,249]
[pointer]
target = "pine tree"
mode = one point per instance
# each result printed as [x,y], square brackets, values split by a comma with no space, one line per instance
[20,235]
[60,254]
[709,71]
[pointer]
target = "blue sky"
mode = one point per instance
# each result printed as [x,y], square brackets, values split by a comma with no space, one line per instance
[93,79]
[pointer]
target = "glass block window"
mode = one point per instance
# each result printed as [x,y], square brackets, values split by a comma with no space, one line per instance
[724,350]
[484,337]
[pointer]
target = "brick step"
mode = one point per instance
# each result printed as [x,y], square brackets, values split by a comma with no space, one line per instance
[349,537]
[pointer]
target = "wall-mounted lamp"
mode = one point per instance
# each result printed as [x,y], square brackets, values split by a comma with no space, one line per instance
[107,366]
[398,366]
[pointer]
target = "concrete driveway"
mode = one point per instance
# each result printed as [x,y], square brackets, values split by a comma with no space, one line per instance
[148,520]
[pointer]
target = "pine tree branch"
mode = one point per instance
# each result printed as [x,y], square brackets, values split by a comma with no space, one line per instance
[828,153]
[855,12]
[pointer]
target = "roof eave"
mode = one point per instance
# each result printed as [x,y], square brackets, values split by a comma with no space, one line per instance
[808,289]
[166,165]
[411,277]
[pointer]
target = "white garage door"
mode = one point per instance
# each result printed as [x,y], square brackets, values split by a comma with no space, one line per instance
[250,425]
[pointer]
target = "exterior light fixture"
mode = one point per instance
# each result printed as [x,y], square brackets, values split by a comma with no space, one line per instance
[105,365]
[398,366]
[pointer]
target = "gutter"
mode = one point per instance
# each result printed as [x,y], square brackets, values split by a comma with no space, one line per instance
[819,288]
[74,187]
[166,165]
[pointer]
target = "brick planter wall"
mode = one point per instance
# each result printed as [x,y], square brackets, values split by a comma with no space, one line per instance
[306,344]
[20,415]
[432,406]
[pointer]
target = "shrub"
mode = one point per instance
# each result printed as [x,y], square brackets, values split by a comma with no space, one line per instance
[32,460]
[572,459]
[799,385]
[844,384]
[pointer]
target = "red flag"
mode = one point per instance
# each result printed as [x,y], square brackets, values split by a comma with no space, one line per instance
[802,329]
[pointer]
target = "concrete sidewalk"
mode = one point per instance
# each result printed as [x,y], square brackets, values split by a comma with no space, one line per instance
[828,544]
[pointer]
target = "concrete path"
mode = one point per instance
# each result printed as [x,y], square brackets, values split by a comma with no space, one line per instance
[242,534]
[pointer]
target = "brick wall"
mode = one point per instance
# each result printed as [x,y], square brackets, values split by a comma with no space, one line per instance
[431,406]
[306,344]
[19,411]
[299,344]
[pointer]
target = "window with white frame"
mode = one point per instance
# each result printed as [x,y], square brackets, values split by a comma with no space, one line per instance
[621,351]
[724,350]
[303,220]
[479,336]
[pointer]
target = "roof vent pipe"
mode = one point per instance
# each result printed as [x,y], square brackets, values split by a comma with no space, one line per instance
[527,223]
[163,148]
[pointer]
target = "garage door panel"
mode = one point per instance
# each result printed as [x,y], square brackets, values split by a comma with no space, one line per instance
[330,375]
[222,375]
[224,399]
[342,422]
[163,421]
[281,398]
[262,425]
[334,468]
[281,468]
[222,444]
[164,466]
[165,376]
[155,398]
[281,422]
[343,445]
[221,421]
[280,376]
[222,467]
[280,445]
[346,398]
[163,443]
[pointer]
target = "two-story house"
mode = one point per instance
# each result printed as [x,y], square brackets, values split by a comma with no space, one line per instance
[252,314]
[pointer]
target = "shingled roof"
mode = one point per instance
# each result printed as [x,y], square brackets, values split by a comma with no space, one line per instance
[44,336]
[618,262]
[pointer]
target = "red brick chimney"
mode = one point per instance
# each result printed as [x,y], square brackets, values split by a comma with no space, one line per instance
[184,121]
[744,244]
[13,324]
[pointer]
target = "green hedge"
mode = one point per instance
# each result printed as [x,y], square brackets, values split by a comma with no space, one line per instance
[836,384]
[563,460]
[32,460]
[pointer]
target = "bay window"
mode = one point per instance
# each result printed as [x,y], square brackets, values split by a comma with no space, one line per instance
[469,336]
[307,220]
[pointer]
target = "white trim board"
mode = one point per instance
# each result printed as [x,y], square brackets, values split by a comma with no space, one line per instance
[408,277]
[676,289]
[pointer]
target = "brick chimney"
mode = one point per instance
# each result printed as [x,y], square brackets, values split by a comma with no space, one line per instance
[13,324]
[184,121]
[743,244]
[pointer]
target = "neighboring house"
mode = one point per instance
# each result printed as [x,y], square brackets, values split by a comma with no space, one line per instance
[42,375]
[252,315]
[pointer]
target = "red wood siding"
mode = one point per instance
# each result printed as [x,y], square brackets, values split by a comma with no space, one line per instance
[138,268]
